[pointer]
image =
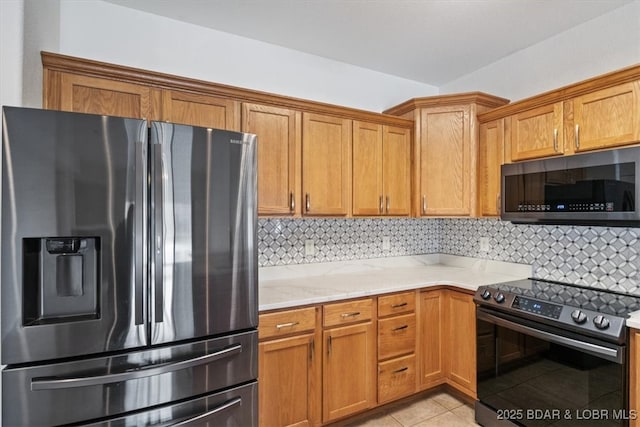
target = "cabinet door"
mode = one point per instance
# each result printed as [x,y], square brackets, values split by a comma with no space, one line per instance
[287,382]
[607,118]
[396,170]
[349,374]
[491,156]
[326,164]
[279,139]
[368,198]
[634,376]
[537,133]
[83,94]
[461,342]
[200,110]
[431,362]
[445,161]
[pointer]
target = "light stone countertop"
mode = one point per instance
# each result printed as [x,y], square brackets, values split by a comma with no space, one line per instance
[303,284]
[634,320]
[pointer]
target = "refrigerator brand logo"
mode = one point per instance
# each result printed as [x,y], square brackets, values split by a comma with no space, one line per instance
[238,141]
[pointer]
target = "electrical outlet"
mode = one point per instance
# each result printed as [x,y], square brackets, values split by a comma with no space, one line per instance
[309,248]
[484,244]
[386,243]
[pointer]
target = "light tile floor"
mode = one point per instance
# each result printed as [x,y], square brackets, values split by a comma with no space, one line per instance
[433,410]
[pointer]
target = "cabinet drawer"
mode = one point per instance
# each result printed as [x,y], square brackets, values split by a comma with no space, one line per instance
[396,304]
[286,322]
[396,378]
[396,336]
[347,312]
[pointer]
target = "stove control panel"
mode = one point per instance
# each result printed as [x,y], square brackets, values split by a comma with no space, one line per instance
[541,308]
[578,319]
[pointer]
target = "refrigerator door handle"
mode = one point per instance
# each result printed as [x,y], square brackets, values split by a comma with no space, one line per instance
[158,244]
[140,214]
[62,383]
[202,417]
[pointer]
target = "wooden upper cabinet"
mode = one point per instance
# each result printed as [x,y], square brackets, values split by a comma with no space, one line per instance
[444,161]
[607,118]
[368,193]
[537,133]
[200,110]
[86,94]
[490,158]
[598,113]
[326,165]
[381,169]
[279,132]
[396,170]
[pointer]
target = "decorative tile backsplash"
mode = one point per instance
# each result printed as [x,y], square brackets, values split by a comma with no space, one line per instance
[599,257]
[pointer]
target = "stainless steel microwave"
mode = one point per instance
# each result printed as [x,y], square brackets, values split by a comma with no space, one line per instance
[600,188]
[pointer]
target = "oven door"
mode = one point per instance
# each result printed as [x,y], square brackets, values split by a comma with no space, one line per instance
[531,374]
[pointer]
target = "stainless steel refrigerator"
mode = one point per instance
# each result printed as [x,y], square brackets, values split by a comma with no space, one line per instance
[129,272]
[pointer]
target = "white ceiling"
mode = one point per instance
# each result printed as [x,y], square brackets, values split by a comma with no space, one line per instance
[429,41]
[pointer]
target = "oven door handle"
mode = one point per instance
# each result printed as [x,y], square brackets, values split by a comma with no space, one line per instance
[611,354]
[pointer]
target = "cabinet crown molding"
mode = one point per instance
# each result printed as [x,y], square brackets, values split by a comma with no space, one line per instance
[564,93]
[58,62]
[479,98]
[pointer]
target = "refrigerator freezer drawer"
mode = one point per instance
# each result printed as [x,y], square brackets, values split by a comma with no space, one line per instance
[235,407]
[83,390]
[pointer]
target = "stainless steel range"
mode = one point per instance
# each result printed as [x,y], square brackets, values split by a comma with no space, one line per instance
[552,354]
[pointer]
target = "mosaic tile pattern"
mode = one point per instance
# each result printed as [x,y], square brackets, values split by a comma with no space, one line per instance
[600,257]
[281,241]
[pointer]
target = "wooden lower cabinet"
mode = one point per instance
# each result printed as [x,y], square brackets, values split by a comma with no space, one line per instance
[289,367]
[349,369]
[287,383]
[321,364]
[634,377]
[397,333]
[431,323]
[447,345]
[460,341]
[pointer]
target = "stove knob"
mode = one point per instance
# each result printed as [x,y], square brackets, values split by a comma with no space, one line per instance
[601,322]
[486,294]
[578,316]
[499,298]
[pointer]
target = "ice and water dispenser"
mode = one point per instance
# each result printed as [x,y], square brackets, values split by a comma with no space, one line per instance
[60,279]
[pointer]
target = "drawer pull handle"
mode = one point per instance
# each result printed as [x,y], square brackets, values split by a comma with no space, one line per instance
[400,328]
[402,304]
[397,371]
[287,325]
[353,314]
[555,140]
[381,208]
[292,202]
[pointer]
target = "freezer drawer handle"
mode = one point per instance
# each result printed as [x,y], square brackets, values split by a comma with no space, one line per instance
[61,383]
[226,405]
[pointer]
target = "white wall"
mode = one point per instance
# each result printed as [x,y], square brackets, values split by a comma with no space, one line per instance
[604,44]
[11,30]
[41,32]
[107,32]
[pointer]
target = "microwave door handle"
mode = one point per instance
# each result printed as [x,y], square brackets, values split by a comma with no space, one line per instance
[73,382]
[202,417]
[158,238]
[611,354]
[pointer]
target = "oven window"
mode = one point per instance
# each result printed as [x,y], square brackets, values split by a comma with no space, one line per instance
[537,383]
